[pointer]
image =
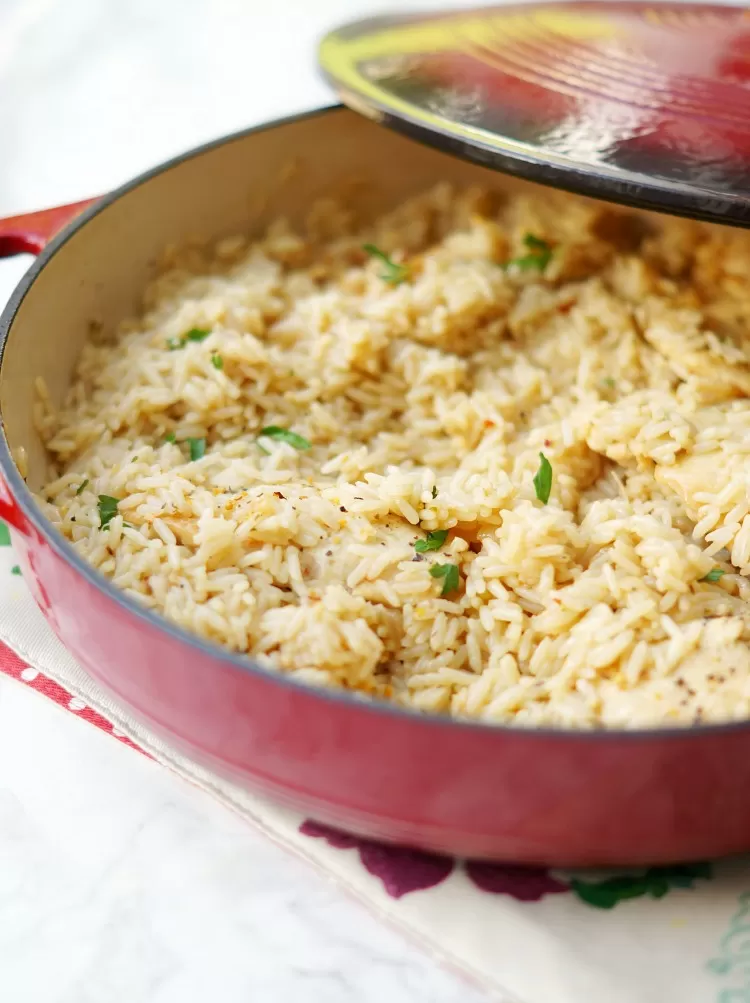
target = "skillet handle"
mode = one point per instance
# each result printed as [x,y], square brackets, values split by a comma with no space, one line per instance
[10,511]
[29,233]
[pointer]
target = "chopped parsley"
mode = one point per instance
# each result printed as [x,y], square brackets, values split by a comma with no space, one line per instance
[539,256]
[714,575]
[285,435]
[15,570]
[170,437]
[433,541]
[107,510]
[81,486]
[543,479]
[393,273]
[194,334]
[197,448]
[609,382]
[434,491]
[216,361]
[449,574]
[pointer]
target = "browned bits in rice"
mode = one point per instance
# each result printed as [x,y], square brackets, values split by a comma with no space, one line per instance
[626,359]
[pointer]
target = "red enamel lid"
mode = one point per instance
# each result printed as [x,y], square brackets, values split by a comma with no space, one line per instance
[647,104]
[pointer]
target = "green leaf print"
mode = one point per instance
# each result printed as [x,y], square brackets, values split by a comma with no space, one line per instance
[4,535]
[655,882]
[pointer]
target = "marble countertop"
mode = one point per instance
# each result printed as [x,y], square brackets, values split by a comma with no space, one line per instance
[119,882]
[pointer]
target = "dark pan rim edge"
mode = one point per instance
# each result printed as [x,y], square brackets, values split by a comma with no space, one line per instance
[65,550]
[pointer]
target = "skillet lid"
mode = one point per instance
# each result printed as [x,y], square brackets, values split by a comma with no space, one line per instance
[645,104]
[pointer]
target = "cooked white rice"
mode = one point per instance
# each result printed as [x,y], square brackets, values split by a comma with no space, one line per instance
[625,360]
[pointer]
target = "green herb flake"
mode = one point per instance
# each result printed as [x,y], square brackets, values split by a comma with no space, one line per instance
[543,479]
[170,437]
[393,273]
[609,382]
[433,541]
[216,361]
[434,491]
[539,256]
[285,435]
[107,510]
[714,575]
[197,448]
[449,574]
[82,486]
[194,334]
[15,570]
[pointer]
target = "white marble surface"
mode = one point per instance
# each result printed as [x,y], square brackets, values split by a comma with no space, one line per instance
[119,882]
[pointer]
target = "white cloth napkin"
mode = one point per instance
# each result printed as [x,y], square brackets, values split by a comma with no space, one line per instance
[669,935]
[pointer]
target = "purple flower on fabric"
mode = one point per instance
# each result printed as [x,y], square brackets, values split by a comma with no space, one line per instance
[401,870]
[525,884]
[341,840]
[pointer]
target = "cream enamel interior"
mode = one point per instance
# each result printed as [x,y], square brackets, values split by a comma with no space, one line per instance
[97,276]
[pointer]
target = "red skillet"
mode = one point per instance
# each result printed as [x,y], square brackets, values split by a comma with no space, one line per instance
[544,796]
[639,103]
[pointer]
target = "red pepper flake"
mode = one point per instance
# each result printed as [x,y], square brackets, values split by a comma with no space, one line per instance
[488,423]
[547,443]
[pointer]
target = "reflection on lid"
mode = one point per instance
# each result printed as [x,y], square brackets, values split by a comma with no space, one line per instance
[656,96]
